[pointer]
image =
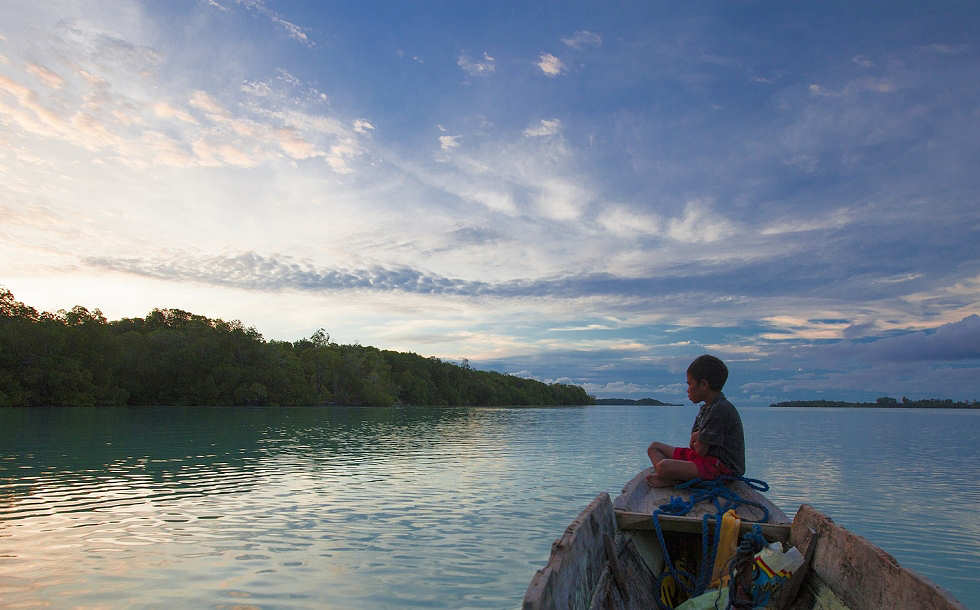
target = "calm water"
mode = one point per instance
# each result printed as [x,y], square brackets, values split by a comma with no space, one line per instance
[420,507]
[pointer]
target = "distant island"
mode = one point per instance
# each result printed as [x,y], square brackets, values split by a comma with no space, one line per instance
[174,357]
[884,402]
[652,402]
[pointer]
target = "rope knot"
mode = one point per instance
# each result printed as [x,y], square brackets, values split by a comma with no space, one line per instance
[716,491]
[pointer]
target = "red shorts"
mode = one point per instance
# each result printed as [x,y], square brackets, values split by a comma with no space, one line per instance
[709,467]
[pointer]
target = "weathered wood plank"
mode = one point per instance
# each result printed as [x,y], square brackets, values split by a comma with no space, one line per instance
[790,590]
[626,520]
[577,561]
[639,593]
[861,574]
[638,497]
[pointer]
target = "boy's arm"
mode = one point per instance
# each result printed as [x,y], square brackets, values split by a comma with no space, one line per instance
[699,448]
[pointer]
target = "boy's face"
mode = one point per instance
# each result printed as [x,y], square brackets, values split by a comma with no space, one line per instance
[697,389]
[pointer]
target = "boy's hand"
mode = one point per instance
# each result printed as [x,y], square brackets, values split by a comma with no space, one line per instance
[699,448]
[694,439]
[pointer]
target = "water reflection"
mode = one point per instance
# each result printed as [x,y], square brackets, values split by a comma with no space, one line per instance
[347,507]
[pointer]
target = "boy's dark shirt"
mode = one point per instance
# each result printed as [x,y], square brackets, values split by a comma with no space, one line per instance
[720,427]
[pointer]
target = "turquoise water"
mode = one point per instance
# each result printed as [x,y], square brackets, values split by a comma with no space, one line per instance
[420,507]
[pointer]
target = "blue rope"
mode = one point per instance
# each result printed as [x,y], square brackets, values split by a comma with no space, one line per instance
[674,571]
[702,490]
[752,542]
[708,551]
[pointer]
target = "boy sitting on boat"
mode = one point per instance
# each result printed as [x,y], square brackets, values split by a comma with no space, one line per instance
[717,446]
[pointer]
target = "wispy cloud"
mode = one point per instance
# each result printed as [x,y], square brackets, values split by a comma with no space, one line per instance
[166,111]
[257,88]
[948,49]
[817,89]
[546,127]
[46,76]
[294,31]
[448,143]
[135,132]
[699,224]
[484,67]
[863,61]
[624,221]
[583,38]
[755,198]
[363,126]
[615,389]
[551,65]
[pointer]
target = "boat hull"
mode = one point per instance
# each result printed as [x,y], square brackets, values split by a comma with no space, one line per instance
[611,557]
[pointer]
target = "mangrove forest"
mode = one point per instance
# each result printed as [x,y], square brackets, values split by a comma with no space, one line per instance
[172,357]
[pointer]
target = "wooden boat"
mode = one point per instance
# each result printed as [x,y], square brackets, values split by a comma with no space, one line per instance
[611,557]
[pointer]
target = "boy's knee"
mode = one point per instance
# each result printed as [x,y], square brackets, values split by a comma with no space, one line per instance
[656,452]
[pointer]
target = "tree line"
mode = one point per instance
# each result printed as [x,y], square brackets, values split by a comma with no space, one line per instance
[173,357]
[884,402]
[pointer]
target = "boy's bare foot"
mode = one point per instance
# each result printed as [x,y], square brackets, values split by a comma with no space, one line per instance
[655,481]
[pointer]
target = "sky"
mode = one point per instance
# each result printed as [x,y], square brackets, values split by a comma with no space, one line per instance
[575,192]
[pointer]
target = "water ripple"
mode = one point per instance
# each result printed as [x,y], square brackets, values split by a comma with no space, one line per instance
[354,508]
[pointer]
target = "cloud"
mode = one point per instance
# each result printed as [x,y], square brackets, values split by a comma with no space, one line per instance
[836,219]
[583,38]
[294,145]
[624,221]
[29,113]
[674,389]
[816,89]
[550,65]
[615,389]
[477,68]
[296,85]
[862,61]
[544,128]
[878,85]
[947,343]
[296,32]
[256,88]
[203,101]
[473,236]
[90,44]
[948,49]
[868,381]
[126,129]
[164,150]
[340,155]
[699,224]
[165,110]
[415,58]
[560,199]
[362,126]
[448,143]
[254,271]
[46,76]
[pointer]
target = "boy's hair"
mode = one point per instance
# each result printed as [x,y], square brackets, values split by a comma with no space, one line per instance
[710,368]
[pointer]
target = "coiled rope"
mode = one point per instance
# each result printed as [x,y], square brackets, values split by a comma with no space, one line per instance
[724,499]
